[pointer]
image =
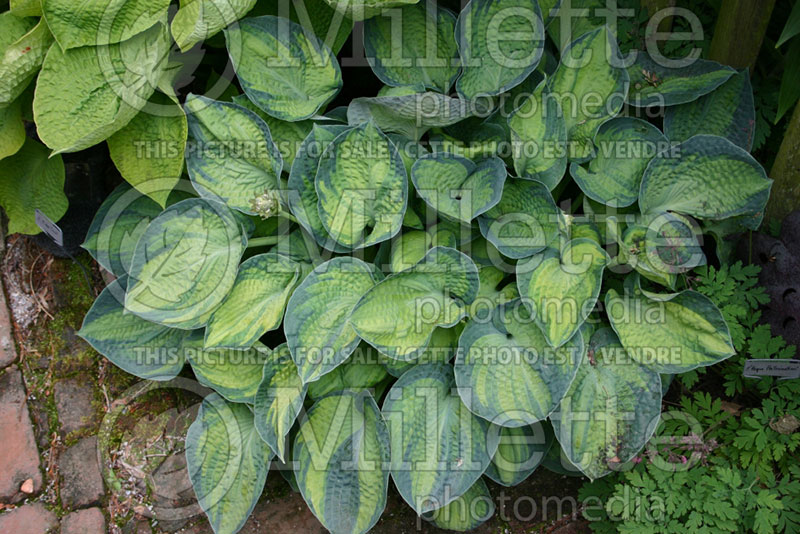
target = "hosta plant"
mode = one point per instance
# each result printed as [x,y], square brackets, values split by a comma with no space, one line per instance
[483,265]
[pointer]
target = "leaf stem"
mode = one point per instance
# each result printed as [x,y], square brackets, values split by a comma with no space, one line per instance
[263,241]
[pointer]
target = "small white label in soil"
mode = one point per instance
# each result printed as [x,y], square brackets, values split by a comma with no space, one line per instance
[50,228]
[783,369]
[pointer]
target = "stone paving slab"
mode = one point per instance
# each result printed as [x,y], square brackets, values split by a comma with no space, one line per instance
[28,519]
[81,480]
[19,461]
[89,521]
[74,405]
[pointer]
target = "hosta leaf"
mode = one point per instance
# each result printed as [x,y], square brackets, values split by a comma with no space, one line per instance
[342,450]
[227,463]
[151,147]
[624,146]
[611,409]
[12,129]
[710,179]
[25,8]
[495,290]
[197,20]
[302,192]
[184,264]
[23,50]
[330,26]
[539,137]
[399,314]
[671,333]
[467,512]
[283,67]
[557,462]
[507,373]
[286,135]
[457,187]
[232,158]
[278,400]
[410,247]
[413,45]
[101,22]
[362,370]
[662,246]
[441,349]
[364,9]
[233,373]
[362,188]
[411,114]
[500,43]
[86,94]
[582,16]
[520,452]
[727,111]
[144,349]
[30,180]
[439,449]
[562,288]
[525,220]
[117,226]
[256,302]
[653,84]
[317,332]
[590,91]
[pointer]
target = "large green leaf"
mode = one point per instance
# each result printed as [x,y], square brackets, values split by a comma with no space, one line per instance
[562,287]
[283,67]
[655,84]
[316,326]
[361,370]
[117,226]
[539,137]
[439,449]
[364,9]
[412,113]
[342,450]
[286,135]
[30,180]
[302,192]
[256,302]
[525,220]
[590,84]
[467,512]
[671,333]
[520,452]
[144,349]
[506,371]
[611,410]
[709,178]
[151,147]
[727,111]
[233,373]
[83,95]
[317,330]
[457,187]
[500,43]
[232,158]
[659,247]
[25,8]
[12,129]
[185,263]
[278,400]
[399,314]
[411,246]
[624,146]
[197,20]
[23,50]
[227,463]
[441,349]
[496,288]
[101,22]
[413,45]
[581,16]
[362,188]
[332,27]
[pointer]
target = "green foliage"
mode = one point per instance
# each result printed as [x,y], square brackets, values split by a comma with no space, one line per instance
[436,293]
